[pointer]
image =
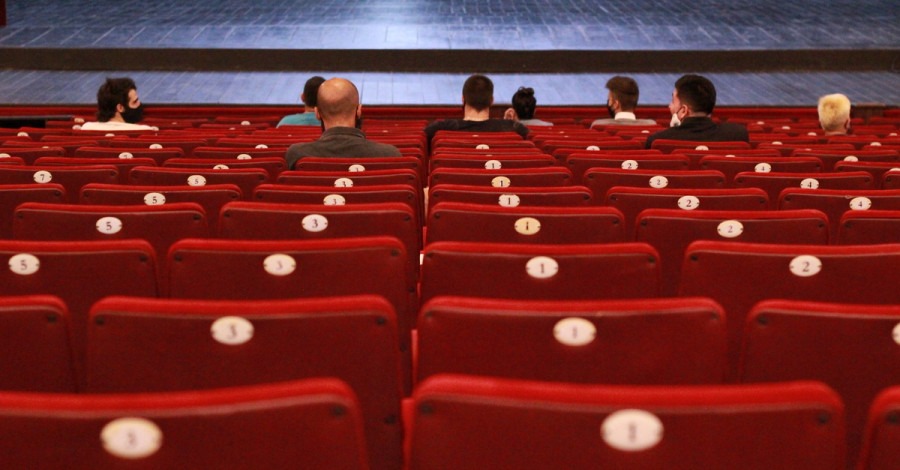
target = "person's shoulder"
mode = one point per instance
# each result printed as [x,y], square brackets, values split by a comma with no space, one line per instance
[299,119]
[116,126]
[445,124]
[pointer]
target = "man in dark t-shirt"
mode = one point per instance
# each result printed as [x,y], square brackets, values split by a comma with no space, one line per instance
[477,97]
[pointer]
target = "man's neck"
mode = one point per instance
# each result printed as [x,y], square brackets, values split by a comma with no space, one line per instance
[472,114]
[116,118]
[340,123]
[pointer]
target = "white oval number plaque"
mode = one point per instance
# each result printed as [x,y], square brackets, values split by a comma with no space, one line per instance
[131,438]
[24,264]
[574,331]
[542,267]
[279,264]
[109,225]
[632,430]
[232,331]
[805,266]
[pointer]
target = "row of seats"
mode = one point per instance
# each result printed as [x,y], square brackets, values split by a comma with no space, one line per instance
[624,345]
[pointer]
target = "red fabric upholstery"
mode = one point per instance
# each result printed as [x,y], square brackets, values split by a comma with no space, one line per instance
[670,231]
[36,347]
[155,345]
[314,423]
[633,342]
[848,347]
[738,275]
[469,422]
[454,221]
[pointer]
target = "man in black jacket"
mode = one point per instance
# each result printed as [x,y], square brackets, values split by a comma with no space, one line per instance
[693,100]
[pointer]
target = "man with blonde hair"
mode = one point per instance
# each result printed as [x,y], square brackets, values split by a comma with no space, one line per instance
[834,114]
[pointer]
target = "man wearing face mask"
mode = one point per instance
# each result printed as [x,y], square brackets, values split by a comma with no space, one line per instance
[621,101]
[118,107]
[339,110]
[692,105]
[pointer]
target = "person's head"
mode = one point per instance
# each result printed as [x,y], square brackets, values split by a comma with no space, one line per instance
[834,113]
[310,90]
[478,92]
[337,103]
[524,103]
[118,100]
[623,94]
[693,95]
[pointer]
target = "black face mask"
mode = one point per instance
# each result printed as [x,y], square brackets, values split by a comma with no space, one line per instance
[133,115]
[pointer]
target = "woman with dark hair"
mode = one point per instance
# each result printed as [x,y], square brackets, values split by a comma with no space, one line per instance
[523,104]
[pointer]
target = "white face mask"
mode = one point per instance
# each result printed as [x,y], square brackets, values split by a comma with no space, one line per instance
[675,122]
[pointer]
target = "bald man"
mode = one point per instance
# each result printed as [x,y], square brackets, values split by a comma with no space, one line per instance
[339,110]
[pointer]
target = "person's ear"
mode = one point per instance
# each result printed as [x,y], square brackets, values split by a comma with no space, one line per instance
[120,109]
[847,124]
[359,110]
[303,98]
[318,116]
[492,101]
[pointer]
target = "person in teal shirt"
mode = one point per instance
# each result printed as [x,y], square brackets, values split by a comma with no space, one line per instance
[308,97]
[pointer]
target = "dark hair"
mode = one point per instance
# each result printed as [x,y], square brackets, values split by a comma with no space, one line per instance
[112,93]
[697,92]
[478,92]
[524,103]
[625,90]
[311,89]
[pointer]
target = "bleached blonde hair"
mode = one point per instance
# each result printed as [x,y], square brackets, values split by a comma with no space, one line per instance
[834,112]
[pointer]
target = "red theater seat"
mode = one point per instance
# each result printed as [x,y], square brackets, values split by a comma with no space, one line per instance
[669,145]
[869,227]
[36,347]
[520,196]
[738,275]
[29,155]
[71,178]
[601,180]
[160,225]
[631,201]
[731,166]
[157,345]
[881,446]
[835,203]
[774,183]
[273,165]
[851,348]
[80,273]
[277,221]
[123,166]
[502,178]
[246,179]
[11,195]
[670,231]
[158,155]
[454,221]
[211,197]
[646,341]
[347,179]
[314,424]
[470,422]
[540,272]
[359,165]
[285,269]
[579,163]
